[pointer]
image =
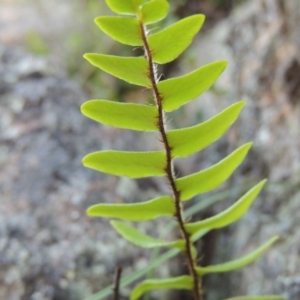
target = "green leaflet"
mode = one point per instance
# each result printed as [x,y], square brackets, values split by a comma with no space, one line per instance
[127,7]
[142,240]
[143,211]
[262,297]
[209,179]
[237,263]
[122,29]
[178,283]
[131,69]
[129,164]
[180,90]
[122,115]
[154,11]
[230,215]
[187,141]
[168,44]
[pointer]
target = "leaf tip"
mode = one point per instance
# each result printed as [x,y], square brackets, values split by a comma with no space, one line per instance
[222,64]
[87,56]
[84,160]
[114,223]
[82,108]
[264,181]
[275,239]
[89,211]
[97,20]
[241,103]
[219,66]
[247,146]
[201,17]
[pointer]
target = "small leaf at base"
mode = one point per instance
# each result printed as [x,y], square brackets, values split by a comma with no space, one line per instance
[179,283]
[142,240]
[262,297]
[237,263]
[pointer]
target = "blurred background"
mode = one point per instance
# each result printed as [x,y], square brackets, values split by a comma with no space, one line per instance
[49,248]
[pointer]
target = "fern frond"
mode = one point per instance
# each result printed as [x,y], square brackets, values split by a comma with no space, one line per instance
[161,47]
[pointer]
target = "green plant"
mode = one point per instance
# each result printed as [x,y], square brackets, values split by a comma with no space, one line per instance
[160,48]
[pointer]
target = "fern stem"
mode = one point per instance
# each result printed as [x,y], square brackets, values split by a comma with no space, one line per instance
[169,169]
